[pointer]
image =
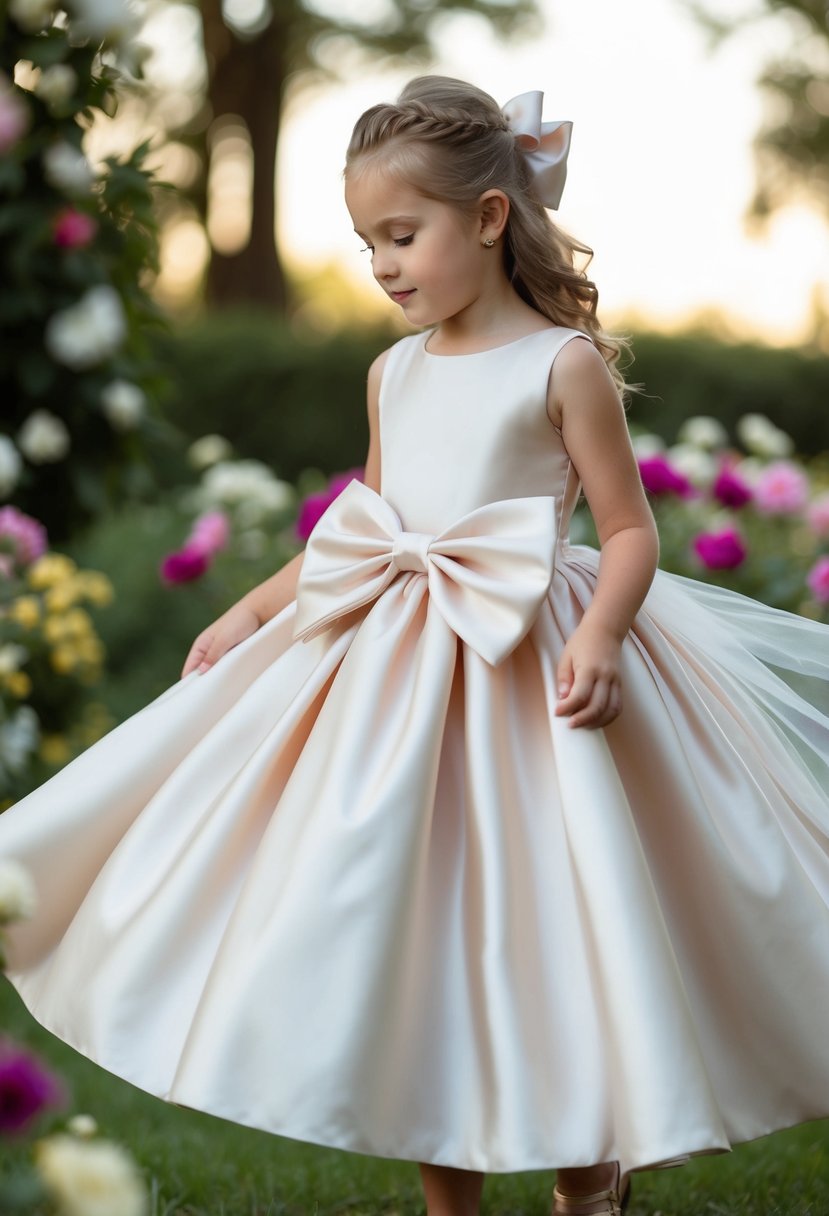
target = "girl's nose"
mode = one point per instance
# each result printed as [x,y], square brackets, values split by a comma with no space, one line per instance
[383,265]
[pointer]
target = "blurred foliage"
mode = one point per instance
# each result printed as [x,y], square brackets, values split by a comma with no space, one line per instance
[689,374]
[792,146]
[60,355]
[292,400]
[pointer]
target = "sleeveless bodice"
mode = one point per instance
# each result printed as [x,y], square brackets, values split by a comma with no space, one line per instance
[460,431]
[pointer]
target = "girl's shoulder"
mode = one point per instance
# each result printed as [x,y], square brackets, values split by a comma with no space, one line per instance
[399,349]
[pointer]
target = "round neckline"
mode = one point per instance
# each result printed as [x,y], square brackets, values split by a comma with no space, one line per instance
[472,354]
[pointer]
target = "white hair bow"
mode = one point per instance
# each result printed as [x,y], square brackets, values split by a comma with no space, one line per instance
[545,145]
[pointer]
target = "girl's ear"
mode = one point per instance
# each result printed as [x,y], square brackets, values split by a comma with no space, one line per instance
[494,209]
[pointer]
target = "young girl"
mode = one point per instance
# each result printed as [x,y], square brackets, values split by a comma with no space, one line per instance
[456,842]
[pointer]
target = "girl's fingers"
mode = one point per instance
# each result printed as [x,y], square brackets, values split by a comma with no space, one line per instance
[198,651]
[602,706]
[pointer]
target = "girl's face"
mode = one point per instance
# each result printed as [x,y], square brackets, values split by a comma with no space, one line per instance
[425,254]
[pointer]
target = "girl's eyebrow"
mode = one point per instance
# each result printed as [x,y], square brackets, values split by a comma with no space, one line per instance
[391,219]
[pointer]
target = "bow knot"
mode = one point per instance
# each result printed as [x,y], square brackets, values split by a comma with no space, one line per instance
[487,574]
[411,550]
[545,145]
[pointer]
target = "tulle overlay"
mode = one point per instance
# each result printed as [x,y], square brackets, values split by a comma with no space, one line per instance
[360,886]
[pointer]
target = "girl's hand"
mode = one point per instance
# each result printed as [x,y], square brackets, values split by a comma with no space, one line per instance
[589,683]
[238,623]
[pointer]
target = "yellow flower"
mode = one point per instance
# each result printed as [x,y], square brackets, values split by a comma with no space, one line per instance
[25,610]
[78,623]
[54,628]
[64,658]
[90,649]
[54,749]
[63,596]
[96,587]
[18,683]
[50,569]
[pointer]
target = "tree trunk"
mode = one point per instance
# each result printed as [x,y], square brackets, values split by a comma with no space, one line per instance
[247,77]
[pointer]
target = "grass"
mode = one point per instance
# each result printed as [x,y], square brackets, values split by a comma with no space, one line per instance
[198,1165]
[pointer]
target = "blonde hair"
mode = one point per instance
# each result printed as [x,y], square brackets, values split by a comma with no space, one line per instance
[450,141]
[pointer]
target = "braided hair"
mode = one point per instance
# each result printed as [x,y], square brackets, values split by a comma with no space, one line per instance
[449,141]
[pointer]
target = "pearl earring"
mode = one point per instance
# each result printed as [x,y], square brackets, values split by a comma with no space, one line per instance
[489,242]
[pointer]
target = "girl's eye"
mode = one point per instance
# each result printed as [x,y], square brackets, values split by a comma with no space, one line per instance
[404,240]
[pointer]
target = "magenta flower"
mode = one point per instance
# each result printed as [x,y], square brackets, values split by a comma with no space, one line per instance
[721,550]
[73,229]
[660,477]
[184,566]
[781,489]
[817,515]
[26,1088]
[818,580]
[23,535]
[210,533]
[14,116]
[730,488]
[314,506]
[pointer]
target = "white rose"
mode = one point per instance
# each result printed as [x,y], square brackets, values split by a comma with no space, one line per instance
[702,431]
[110,20]
[87,332]
[66,168]
[699,466]
[208,450]
[647,445]
[84,1126]
[43,438]
[762,437]
[749,469]
[91,1178]
[12,654]
[10,466]
[18,897]
[32,15]
[124,403]
[19,736]
[56,84]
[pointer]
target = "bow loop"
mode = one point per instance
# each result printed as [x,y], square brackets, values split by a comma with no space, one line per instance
[545,145]
[487,574]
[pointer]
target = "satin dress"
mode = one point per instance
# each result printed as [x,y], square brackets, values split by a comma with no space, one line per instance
[358,885]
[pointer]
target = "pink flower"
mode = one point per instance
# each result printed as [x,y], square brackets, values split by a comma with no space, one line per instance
[660,477]
[721,550]
[314,506]
[24,535]
[26,1088]
[184,566]
[210,533]
[817,515]
[781,489]
[818,580]
[72,229]
[14,116]
[730,488]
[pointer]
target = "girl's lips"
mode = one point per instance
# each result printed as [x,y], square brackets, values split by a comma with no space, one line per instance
[398,296]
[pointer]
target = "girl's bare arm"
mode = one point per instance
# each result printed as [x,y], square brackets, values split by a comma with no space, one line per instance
[594,431]
[268,599]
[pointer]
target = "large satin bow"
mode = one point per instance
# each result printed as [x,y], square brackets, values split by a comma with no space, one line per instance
[545,145]
[487,574]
